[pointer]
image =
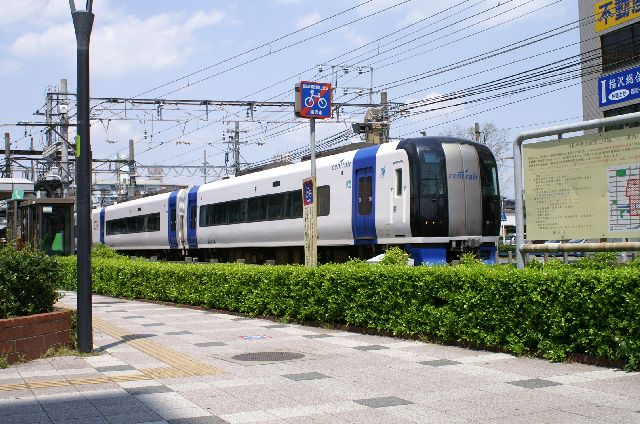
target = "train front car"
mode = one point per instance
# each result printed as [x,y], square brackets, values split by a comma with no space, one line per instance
[454,200]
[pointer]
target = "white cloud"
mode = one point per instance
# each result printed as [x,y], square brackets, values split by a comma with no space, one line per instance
[354,38]
[33,11]
[124,44]
[308,19]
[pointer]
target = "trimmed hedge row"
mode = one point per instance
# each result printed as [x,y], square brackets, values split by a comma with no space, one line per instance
[550,311]
[28,282]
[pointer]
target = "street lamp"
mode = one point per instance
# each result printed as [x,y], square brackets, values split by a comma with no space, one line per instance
[83,23]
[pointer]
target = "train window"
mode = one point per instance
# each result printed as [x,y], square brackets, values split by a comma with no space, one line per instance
[219,214]
[275,204]
[399,182]
[489,175]
[365,192]
[294,204]
[324,200]
[153,222]
[233,212]
[257,209]
[193,214]
[135,224]
[433,173]
[173,220]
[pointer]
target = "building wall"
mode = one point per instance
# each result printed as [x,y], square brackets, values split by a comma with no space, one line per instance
[590,41]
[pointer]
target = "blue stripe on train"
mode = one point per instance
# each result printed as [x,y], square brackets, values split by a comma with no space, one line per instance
[172,220]
[363,179]
[192,215]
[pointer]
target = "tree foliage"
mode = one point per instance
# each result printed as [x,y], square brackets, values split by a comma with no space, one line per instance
[497,140]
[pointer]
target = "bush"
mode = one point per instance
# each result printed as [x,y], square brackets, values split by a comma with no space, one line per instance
[395,256]
[546,310]
[28,282]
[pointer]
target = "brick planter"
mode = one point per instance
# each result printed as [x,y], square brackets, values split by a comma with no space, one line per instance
[31,336]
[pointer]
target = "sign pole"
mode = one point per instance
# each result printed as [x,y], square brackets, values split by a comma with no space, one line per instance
[312,101]
[312,146]
[313,251]
[83,24]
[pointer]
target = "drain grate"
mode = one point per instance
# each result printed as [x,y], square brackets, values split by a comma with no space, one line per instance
[268,356]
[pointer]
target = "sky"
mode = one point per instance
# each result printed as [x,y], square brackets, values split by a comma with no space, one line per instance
[257,50]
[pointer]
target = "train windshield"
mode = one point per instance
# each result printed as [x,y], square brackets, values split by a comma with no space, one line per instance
[433,173]
[489,178]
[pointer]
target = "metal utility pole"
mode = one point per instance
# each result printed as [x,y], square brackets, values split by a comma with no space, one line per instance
[132,170]
[204,167]
[64,146]
[83,24]
[7,155]
[48,114]
[236,148]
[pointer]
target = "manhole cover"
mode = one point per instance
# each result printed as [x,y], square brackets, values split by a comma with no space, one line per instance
[268,356]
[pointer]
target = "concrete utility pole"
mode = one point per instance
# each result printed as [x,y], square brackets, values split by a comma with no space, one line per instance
[64,146]
[477,132]
[7,155]
[83,24]
[384,107]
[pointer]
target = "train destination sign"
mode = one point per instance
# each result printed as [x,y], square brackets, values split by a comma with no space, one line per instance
[314,100]
[583,187]
[619,87]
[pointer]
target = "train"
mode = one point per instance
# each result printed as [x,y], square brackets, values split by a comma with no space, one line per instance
[436,197]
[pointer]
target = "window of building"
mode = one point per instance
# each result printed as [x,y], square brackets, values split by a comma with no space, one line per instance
[620,47]
[622,111]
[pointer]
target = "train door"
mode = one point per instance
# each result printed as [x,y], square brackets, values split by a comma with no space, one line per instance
[463,183]
[397,202]
[363,201]
[364,213]
[192,217]
[173,220]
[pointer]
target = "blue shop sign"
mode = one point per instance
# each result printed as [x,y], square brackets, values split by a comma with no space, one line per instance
[619,87]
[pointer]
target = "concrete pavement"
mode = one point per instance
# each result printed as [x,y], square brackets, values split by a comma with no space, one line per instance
[163,364]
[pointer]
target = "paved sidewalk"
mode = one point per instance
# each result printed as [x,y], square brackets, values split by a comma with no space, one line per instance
[162,364]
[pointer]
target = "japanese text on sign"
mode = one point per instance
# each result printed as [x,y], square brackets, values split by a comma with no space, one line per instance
[609,13]
[619,87]
[583,187]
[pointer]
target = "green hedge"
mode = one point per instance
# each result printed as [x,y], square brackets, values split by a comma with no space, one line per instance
[28,282]
[549,311]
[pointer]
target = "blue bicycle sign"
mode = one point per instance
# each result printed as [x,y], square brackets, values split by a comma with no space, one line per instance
[316,99]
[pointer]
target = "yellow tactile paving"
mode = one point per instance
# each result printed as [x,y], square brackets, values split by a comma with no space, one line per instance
[179,365]
[176,360]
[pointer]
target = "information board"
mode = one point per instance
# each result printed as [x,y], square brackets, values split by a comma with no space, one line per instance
[583,187]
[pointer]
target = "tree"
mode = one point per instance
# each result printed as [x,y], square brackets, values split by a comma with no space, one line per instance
[496,139]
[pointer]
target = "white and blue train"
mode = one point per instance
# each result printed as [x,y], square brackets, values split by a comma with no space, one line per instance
[436,197]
